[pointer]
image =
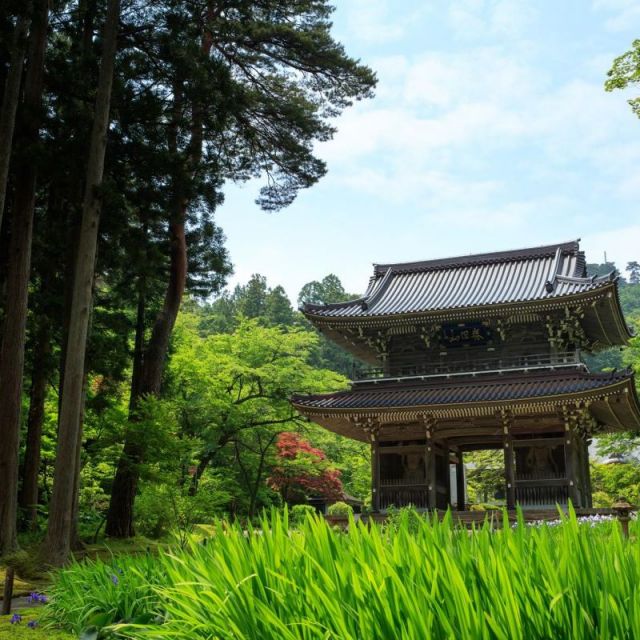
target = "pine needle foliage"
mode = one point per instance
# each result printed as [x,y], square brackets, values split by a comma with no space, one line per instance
[430,580]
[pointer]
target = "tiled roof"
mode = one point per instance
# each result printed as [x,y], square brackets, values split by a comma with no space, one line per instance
[538,273]
[523,386]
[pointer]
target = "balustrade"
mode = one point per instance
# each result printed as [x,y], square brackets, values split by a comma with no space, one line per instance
[404,495]
[466,367]
[542,495]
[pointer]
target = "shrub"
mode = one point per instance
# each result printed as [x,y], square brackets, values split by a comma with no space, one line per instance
[339,509]
[165,508]
[91,596]
[299,513]
[153,512]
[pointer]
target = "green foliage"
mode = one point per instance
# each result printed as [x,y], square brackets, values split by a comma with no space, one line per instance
[418,579]
[299,513]
[164,508]
[203,93]
[230,395]
[340,509]
[406,518]
[92,595]
[610,481]
[326,291]
[484,471]
[625,71]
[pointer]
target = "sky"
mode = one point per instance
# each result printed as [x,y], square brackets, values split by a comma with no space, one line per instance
[490,130]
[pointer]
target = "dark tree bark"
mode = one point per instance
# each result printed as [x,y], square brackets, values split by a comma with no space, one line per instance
[76,543]
[10,99]
[13,334]
[35,420]
[138,349]
[56,546]
[125,484]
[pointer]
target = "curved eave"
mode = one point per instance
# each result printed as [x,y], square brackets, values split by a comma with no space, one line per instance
[604,320]
[615,406]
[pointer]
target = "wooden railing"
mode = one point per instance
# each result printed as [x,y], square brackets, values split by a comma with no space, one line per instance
[404,495]
[539,496]
[479,366]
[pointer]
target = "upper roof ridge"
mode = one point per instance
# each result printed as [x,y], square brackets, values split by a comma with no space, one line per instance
[572,247]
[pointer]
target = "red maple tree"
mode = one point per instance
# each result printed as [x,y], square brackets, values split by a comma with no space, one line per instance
[302,471]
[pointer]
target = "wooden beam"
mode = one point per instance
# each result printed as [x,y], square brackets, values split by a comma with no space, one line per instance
[411,448]
[546,482]
[539,442]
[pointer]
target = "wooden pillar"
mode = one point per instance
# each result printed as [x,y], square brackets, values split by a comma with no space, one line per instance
[581,469]
[587,475]
[509,462]
[460,481]
[375,473]
[447,466]
[430,465]
[510,472]
[570,443]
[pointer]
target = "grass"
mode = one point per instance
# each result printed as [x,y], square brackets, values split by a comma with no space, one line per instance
[415,579]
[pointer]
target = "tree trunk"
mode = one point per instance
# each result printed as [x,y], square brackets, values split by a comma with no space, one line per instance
[15,322]
[57,542]
[38,393]
[76,543]
[138,349]
[11,98]
[125,484]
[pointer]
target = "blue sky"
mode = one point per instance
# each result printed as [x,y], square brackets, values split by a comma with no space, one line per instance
[490,130]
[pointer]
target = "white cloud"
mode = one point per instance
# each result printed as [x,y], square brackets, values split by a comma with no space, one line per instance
[445,111]
[625,14]
[431,190]
[378,21]
[486,19]
[621,245]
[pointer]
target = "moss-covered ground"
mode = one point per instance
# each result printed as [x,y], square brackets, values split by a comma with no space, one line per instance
[21,630]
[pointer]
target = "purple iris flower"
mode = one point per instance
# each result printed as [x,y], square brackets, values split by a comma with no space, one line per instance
[114,579]
[32,624]
[16,618]
[37,597]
